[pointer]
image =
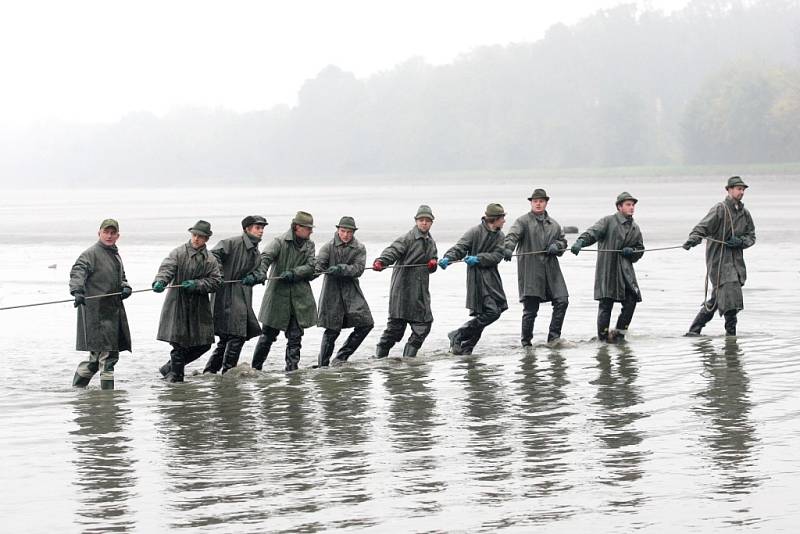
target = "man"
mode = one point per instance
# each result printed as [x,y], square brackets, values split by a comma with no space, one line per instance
[620,245]
[288,303]
[539,242]
[186,321]
[102,322]
[414,255]
[341,303]
[729,229]
[481,247]
[234,319]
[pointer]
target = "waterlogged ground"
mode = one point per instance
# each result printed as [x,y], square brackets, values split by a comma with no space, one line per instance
[664,432]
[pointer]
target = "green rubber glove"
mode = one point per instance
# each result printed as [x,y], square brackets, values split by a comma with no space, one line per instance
[288,276]
[189,285]
[576,247]
[158,287]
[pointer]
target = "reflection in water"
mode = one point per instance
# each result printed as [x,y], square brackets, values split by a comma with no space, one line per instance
[209,440]
[345,421]
[618,397]
[544,406]
[731,436]
[412,410]
[485,418]
[104,468]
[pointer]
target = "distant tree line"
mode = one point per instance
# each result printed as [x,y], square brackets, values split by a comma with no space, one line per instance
[717,82]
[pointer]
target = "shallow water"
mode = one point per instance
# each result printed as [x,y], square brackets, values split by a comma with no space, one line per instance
[696,434]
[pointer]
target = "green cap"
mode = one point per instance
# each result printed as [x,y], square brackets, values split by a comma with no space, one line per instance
[109,223]
[539,193]
[622,197]
[303,218]
[202,228]
[733,181]
[495,210]
[424,211]
[347,222]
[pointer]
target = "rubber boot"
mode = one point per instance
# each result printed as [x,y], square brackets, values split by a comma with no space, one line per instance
[79,381]
[214,363]
[410,351]
[527,329]
[603,319]
[261,351]
[232,351]
[177,362]
[702,318]
[326,348]
[557,320]
[455,343]
[730,322]
[164,369]
[381,351]
[106,384]
[354,340]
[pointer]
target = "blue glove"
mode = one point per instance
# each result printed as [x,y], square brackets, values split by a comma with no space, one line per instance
[444,262]
[734,242]
[288,276]
[627,252]
[189,285]
[158,287]
[553,249]
[472,261]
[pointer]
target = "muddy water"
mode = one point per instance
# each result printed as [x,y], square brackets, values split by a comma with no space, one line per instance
[696,434]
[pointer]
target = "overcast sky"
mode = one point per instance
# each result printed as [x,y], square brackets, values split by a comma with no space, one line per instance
[94,61]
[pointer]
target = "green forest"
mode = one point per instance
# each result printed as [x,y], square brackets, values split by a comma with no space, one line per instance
[717,82]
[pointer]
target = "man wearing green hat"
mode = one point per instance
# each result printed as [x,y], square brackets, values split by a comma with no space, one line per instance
[414,257]
[234,320]
[481,248]
[102,322]
[728,229]
[341,302]
[191,273]
[620,245]
[288,303]
[539,241]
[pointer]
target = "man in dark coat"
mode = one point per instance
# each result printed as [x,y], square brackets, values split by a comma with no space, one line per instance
[482,249]
[620,245]
[186,322]
[415,257]
[341,303]
[288,303]
[539,241]
[728,229]
[234,319]
[102,322]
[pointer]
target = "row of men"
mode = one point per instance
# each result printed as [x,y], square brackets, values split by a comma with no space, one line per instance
[190,320]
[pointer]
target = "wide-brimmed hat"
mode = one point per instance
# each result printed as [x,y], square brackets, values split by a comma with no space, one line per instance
[202,228]
[303,218]
[109,223]
[424,211]
[733,181]
[347,222]
[495,210]
[539,193]
[250,220]
[622,197]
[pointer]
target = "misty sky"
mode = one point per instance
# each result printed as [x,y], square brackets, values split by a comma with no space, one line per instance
[97,60]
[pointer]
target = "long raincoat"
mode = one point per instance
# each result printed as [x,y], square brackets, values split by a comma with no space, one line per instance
[186,315]
[233,303]
[538,275]
[613,270]
[483,280]
[282,299]
[341,302]
[409,296]
[726,268]
[102,323]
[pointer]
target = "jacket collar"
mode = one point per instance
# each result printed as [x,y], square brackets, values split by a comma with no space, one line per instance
[545,217]
[248,243]
[194,251]
[337,241]
[735,204]
[622,219]
[419,235]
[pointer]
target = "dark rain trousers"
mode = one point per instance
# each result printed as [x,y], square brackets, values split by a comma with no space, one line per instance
[180,356]
[531,309]
[395,329]
[706,313]
[294,337]
[625,315]
[329,338]
[225,355]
